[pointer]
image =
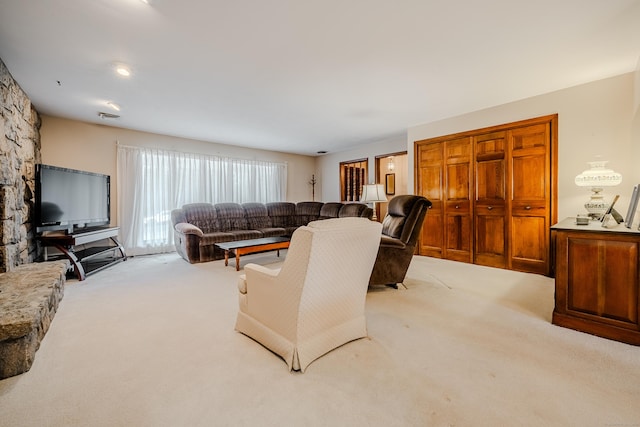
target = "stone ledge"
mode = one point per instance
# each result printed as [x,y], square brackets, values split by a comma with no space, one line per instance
[29,298]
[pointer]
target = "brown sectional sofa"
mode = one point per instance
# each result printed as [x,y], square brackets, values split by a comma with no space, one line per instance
[199,226]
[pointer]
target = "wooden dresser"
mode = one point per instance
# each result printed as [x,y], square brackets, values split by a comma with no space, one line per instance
[597,275]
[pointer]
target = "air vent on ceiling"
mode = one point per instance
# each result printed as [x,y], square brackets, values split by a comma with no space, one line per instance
[104,115]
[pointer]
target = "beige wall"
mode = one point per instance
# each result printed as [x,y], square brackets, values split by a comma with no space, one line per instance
[598,118]
[594,119]
[92,147]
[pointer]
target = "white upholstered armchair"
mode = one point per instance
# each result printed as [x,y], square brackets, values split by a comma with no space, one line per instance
[315,302]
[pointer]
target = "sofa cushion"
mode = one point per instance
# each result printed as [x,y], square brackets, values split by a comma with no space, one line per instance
[256,215]
[245,234]
[351,209]
[217,237]
[230,217]
[307,212]
[282,214]
[202,215]
[330,210]
[274,232]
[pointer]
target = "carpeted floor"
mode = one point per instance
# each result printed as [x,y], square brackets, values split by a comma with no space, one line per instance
[150,342]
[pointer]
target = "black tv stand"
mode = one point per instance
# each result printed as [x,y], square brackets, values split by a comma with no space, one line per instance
[89,251]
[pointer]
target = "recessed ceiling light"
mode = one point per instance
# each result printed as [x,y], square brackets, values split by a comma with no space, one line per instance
[113,105]
[146,1]
[123,70]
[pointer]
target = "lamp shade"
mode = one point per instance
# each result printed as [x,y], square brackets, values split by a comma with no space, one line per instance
[598,176]
[373,193]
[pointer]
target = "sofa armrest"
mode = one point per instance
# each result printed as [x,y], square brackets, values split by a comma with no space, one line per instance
[186,228]
[187,239]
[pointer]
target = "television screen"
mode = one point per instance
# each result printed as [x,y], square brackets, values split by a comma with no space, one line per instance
[69,198]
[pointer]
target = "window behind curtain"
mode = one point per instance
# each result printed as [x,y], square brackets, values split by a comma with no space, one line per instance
[153,182]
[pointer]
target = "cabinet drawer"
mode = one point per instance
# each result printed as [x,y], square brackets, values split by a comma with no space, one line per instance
[528,208]
[458,206]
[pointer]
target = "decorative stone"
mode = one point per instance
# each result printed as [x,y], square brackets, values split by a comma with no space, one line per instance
[29,298]
[19,152]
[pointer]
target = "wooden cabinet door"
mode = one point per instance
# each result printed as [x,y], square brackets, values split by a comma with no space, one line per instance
[529,235]
[491,166]
[457,207]
[430,185]
[597,288]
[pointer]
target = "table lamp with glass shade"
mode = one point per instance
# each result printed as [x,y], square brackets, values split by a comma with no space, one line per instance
[597,177]
[373,193]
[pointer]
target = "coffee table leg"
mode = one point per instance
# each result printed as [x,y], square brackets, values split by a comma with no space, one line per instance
[226,258]
[237,260]
[277,252]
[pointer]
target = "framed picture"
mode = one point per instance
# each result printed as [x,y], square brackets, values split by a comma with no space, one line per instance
[633,205]
[608,214]
[390,183]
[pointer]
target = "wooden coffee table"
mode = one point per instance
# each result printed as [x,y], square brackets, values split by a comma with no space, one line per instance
[245,247]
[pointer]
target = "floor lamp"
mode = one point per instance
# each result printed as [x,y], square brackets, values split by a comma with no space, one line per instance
[373,193]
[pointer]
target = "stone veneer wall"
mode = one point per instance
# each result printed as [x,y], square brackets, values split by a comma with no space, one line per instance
[19,152]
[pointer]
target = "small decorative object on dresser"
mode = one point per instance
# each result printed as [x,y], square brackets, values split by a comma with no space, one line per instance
[633,205]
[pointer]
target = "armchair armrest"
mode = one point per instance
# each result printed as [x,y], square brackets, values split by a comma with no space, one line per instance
[391,242]
[267,272]
[267,296]
[186,228]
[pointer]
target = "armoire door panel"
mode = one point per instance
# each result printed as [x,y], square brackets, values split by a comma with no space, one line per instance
[528,178]
[458,154]
[490,144]
[458,150]
[458,238]
[490,240]
[529,243]
[458,181]
[533,136]
[431,185]
[490,180]
[431,237]
[431,181]
[490,199]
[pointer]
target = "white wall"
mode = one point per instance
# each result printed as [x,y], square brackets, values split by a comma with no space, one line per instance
[91,147]
[328,165]
[594,119]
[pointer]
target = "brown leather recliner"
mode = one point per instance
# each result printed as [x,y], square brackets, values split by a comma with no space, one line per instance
[400,231]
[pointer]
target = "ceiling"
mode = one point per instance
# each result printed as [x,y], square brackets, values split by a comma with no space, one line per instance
[305,76]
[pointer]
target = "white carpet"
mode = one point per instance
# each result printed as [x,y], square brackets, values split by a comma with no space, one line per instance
[150,342]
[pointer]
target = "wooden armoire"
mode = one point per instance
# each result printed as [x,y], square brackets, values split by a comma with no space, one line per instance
[494,195]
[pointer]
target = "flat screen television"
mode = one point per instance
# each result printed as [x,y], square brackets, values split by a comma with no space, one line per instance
[69,199]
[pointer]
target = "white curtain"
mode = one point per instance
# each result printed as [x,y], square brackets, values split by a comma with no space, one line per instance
[152,182]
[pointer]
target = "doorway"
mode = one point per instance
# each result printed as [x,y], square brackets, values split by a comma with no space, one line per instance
[392,171]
